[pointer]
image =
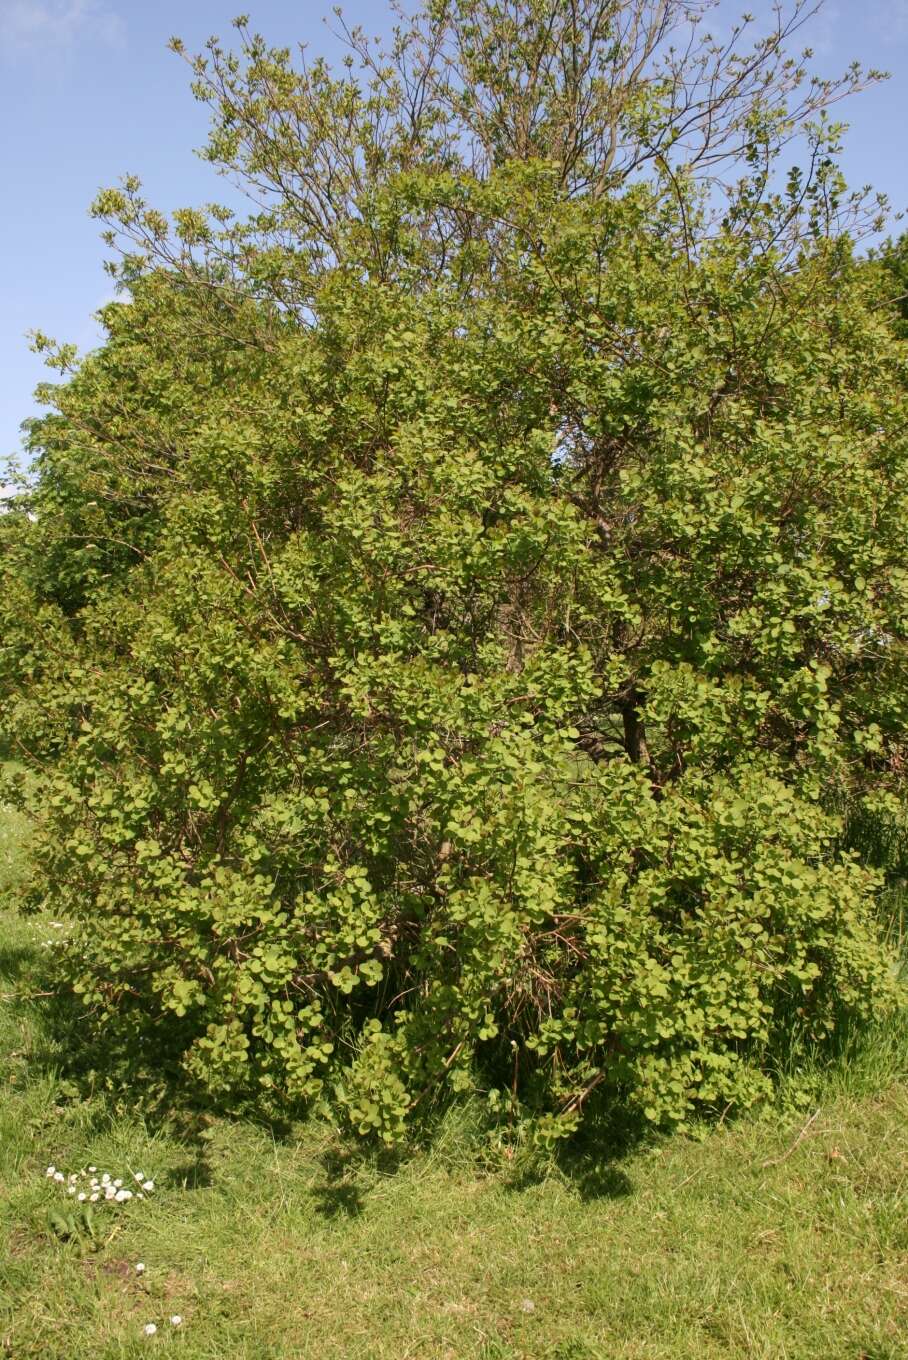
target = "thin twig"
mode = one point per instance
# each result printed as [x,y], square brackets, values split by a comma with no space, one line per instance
[774,1161]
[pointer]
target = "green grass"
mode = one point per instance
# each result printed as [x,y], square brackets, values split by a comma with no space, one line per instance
[12,831]
[783,1237]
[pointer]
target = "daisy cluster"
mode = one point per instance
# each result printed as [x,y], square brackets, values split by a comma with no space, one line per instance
[91,1185]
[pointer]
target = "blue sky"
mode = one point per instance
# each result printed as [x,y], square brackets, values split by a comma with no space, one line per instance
[88,92]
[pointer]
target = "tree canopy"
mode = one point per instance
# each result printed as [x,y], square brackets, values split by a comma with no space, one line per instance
[463,600]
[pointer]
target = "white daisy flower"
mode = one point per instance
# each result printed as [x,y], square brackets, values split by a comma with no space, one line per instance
[140,1267]
[149,1329]
[148,1186]
[176,1320]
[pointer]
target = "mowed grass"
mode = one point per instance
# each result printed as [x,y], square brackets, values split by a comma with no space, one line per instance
[779,1237]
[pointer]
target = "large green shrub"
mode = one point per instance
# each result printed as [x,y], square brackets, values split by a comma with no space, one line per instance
[443,673]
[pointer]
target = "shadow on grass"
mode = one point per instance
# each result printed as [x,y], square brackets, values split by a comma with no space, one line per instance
[194,1174]
[591,1161]
[342,1193]
[611,1134]
[97,1076]
[603,1180]
[131,1068]
[134,1067]
[338,1200]
[17,962]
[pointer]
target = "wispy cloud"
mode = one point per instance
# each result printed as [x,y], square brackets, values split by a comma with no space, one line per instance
[43,24]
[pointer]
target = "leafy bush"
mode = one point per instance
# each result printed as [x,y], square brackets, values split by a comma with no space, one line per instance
[444,674]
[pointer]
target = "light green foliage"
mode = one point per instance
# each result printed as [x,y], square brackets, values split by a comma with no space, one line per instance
[446,643]
[892,258]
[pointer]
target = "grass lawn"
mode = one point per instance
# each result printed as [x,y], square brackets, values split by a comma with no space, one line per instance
[783,1237]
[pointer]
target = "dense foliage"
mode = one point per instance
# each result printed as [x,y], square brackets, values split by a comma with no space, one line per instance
[449,648]
[893,260]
